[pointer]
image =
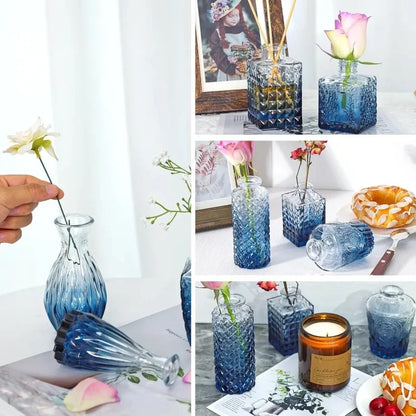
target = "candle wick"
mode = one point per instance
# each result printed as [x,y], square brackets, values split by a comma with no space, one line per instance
[327,334]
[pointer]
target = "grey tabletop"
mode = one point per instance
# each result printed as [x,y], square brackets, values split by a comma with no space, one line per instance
[267,356]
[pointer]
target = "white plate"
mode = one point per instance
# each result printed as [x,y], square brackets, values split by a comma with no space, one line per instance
[345,214]
[367,392]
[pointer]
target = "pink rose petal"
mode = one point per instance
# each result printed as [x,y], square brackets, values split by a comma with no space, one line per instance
[89,393]
[187,377]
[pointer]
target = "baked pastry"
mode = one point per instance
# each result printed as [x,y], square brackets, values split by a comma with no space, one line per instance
[398,384]
[384,206]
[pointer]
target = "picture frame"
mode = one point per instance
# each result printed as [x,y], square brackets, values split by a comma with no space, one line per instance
[220,97]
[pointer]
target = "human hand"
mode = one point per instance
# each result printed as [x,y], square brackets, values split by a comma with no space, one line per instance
[19,196]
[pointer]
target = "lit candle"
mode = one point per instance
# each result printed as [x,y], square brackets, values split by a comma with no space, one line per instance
[324,352]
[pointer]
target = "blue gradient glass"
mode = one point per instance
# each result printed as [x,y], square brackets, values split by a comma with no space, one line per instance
[302,211]
[234,355]
[390,315]
[89,343]
[185,285]
[335,245]
[285,312]
[347,101]
[75,281]
[274,91]
[251,224]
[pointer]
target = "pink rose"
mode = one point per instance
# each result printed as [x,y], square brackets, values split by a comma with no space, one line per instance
[237,153]
[297,154]
[267,285]
[215,285]
[89,393]
[349,38]
[187,377]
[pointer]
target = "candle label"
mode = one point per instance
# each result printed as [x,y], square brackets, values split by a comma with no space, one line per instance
[327,370]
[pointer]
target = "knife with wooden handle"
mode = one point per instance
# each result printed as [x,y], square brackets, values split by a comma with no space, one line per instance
[382,265]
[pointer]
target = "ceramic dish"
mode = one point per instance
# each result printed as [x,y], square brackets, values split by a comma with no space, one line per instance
[367,392]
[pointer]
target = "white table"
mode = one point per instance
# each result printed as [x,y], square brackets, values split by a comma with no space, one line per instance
[396,115]
[214,249]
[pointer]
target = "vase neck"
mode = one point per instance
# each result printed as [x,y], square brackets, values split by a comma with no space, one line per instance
[347,67]
[251,181]
[273,52]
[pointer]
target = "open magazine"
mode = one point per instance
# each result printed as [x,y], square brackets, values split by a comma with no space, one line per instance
[278,392]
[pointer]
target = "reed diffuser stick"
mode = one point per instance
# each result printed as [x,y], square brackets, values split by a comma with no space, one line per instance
[262,34]
[279,49]
[269,24]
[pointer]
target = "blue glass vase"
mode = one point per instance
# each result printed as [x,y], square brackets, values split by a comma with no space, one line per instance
[302,210]
[234,357]
[185,285]
[347,101]
[335,245]
[390,315]
[285,312]
[74,282]
[89,343]
[251,224]
[274,90]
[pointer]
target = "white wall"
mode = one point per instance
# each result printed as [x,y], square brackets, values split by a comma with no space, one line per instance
[344,298]
[390,40]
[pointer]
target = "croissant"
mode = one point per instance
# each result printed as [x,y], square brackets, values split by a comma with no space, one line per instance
[398,384]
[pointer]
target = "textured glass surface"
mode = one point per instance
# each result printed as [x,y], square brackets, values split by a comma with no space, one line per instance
[274,92]
[186,298]
[74,282]
[251,224]
[390,316]
[285,313]
[334,245]
[87,342]
[347,103]
[234,357]
[302,212]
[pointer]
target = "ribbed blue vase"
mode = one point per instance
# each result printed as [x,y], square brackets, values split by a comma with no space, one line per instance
[347,101]
[74,282]
[89,343]
[302,210]
[251,224]
[274,90]
[185,285]
[335,245]
[285,312]
[390,315]
[234,355]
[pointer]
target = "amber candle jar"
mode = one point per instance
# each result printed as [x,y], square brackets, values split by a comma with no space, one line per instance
[324,352]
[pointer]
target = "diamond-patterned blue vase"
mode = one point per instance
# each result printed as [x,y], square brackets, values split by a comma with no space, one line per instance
[274,90]
[234,356]
[186,298]
[302,211]
[347,101]
[75,281]
[285,312]
[251,224]
[89,343]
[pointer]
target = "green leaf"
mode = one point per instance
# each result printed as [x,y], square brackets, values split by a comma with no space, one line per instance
[133,379]
[181,373]
[369,63]
[148,376]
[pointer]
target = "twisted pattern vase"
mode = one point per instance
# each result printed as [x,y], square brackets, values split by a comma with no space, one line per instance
[390,315]
[234,356]
[251,224]
[185,285]
[302,210]
[74,282]
[285,312]
[274,90]
[347,101]
[89,343]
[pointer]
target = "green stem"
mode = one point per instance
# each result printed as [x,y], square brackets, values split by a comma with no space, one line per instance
[345,83]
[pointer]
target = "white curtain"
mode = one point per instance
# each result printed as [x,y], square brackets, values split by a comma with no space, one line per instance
[115,86]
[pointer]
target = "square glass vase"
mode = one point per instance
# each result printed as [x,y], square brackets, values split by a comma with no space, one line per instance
[302,210]
[285,312]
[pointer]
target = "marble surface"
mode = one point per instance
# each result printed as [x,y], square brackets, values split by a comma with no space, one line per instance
[267,356]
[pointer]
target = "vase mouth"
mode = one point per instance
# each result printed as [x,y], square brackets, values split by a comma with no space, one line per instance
[391,291]
[251,180]
[74,220]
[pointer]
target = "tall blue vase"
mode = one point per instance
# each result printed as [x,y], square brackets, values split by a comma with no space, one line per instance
[234,355]
[75,281]
[302,210]
[185,285]
[251,224]
[347,100]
